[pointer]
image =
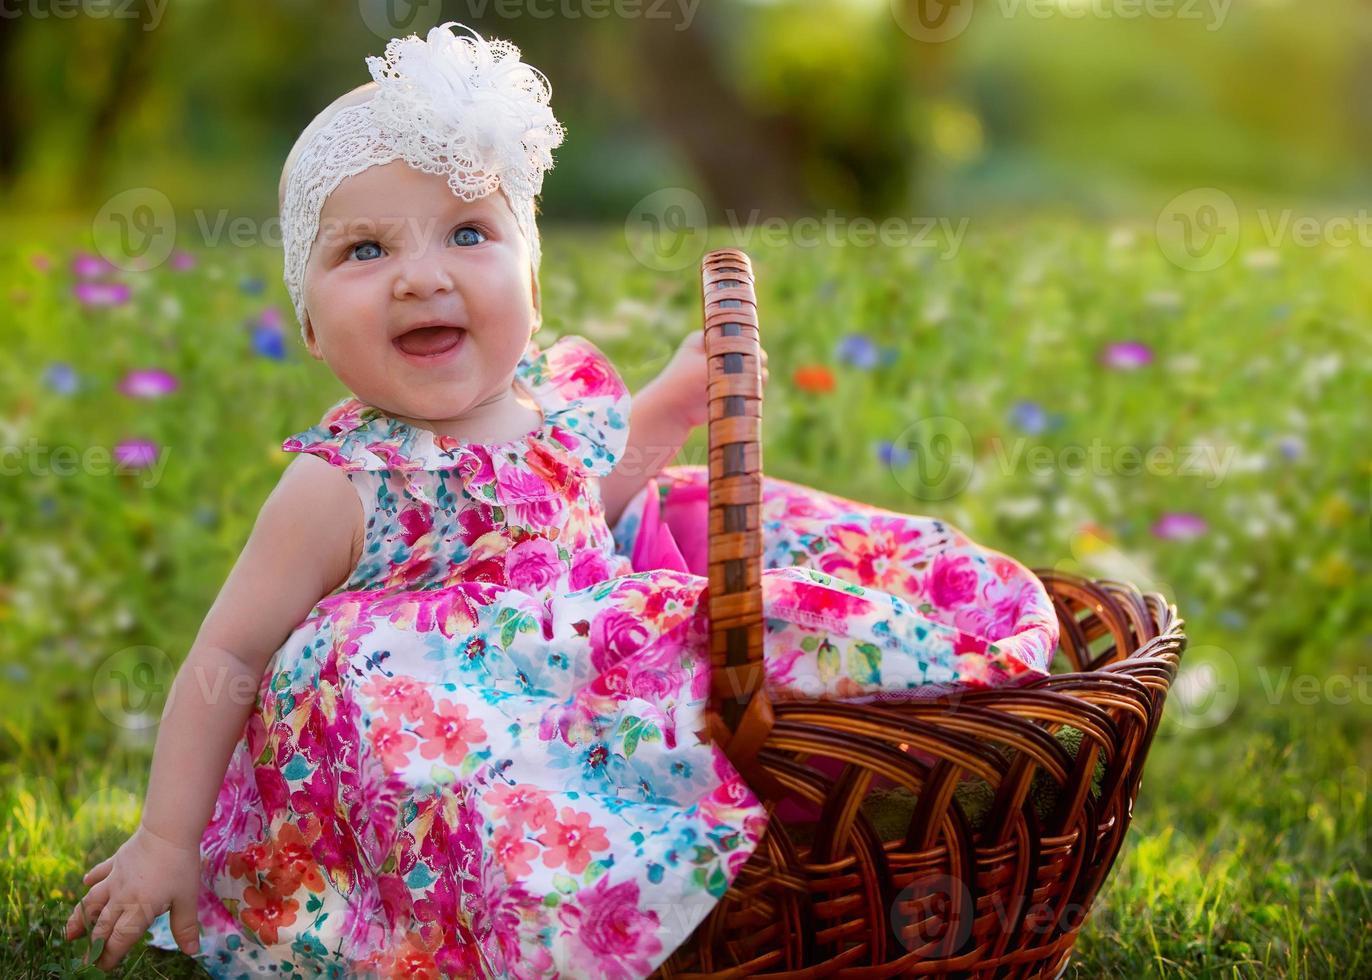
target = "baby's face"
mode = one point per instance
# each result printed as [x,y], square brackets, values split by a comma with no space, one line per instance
[396,249]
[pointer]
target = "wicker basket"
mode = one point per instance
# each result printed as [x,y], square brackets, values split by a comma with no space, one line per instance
[937,892]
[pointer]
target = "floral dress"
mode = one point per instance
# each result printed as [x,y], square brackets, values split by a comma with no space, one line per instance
[476,757]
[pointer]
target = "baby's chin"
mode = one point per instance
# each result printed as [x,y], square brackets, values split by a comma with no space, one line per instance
[435,407]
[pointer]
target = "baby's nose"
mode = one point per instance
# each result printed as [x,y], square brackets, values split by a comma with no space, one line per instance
[422,275]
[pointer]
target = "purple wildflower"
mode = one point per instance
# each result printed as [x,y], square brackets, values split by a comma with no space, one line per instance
[102,293]
[1127,355]
[1179,526]
[87,266]
[182,261]
[135,454]
[149,383]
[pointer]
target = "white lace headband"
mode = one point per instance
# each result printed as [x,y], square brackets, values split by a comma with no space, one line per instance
[464,107]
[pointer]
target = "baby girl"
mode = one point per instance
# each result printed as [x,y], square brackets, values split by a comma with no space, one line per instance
[441,718]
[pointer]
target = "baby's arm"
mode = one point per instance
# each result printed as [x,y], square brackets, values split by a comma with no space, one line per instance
[657,430]
[661,417]
[301,547]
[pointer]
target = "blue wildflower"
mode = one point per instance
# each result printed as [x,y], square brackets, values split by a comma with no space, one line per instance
[1028,416]
[892,455]
[269,342]
[61,378]
[858,350]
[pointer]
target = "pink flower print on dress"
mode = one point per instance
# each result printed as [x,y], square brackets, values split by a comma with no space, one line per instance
[291,864]
[266,911]
[448,734]
[399,697]
[415,522]
[880,552]
[815,603]
[451,611]
[517,485]
[513,852]
[951,582]
[998,612]
[392,744]
[522,806]
[474,523]
[570,840]
[533,565]
[593,378]
[615,634]
[615,940]
[589,567]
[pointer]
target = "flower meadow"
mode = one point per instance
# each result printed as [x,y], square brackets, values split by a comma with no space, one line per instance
[1056,389]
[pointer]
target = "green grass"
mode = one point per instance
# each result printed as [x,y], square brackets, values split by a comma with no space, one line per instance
[1249,851]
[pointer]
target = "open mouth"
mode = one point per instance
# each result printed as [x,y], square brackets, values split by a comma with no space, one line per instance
[430,342]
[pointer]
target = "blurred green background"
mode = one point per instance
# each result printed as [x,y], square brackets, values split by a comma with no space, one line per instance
[1148,231]
[1101,106]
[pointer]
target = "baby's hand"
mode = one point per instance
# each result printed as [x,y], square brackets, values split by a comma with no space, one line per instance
[145,877]
[687,377]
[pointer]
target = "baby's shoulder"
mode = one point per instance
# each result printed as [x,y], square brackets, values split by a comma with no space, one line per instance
[321,498]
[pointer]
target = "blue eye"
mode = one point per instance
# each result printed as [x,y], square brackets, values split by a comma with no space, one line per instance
[467,235]
[361,245]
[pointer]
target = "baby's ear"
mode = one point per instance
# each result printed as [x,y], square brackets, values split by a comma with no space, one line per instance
[311,344]
[538,300]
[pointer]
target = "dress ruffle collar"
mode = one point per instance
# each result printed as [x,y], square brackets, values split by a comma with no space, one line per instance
[585,428]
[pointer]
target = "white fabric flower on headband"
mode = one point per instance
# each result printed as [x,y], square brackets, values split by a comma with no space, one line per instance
[463,107]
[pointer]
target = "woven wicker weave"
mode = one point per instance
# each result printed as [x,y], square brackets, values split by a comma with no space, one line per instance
[1002,897]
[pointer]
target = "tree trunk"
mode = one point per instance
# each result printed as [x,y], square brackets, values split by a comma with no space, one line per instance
[11,136]
[129,68]
[746,161]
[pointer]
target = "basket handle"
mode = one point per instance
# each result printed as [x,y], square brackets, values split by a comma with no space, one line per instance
[740,714]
